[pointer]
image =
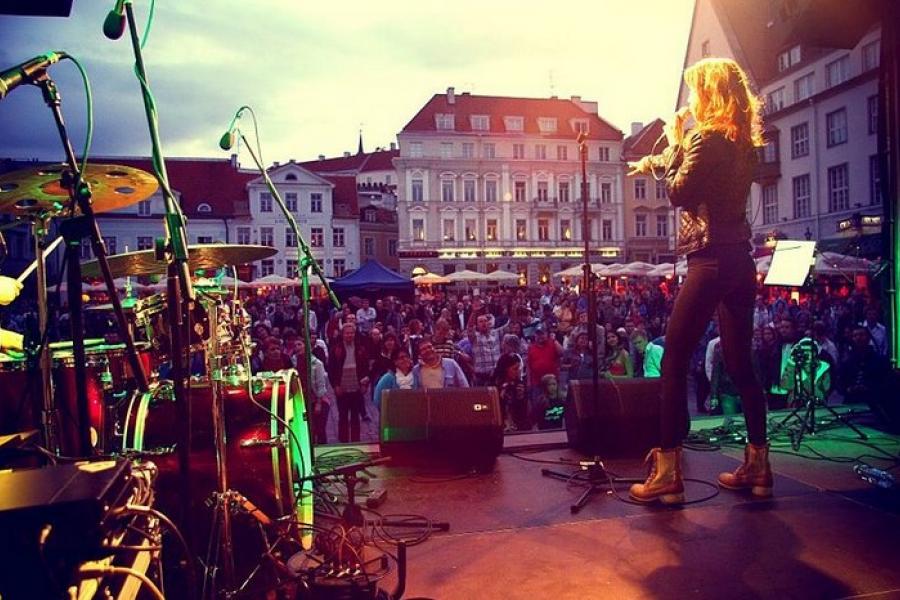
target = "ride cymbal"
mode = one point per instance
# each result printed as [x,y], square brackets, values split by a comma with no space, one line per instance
[200,256]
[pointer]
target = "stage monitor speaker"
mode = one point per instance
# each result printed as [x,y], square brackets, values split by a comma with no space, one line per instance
[459,426]
[621,420]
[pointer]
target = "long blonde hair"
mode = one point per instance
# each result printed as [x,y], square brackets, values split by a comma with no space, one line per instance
[723,100]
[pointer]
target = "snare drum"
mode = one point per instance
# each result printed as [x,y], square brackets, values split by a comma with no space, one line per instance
[20,402]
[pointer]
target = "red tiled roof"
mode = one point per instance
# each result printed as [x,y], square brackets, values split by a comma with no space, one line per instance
[380,160]
[465,105]
[344,198]
[211,181]
[642,143]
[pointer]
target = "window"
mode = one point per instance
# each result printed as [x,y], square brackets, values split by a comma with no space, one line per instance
[491,230]
[565,230]
[544,230]
[540,152]
[770,204]
[490,190]
[562,152]
[803,87]
[775,100]
[489,150]
[640,189]
[369,216]
[447,190]
[468,150]
[444,121]
[387,179]
[449,230]
[521,230]
[290,200]
[704,49]
[368,246]
[836,127]
[519,188]
[204,239]
[145,242]
[800,140]
[872,114]
[143,208]
[415,150]
[267,236]
[770,149]
[337,237]
[606,229]
[266,267]
[316,237]
[471,231]
[802,204]
[243,235]
[417,190]
[871,55]
[469,190]
[837,71]
[605,192]
[290,239]
[315,202]
[661,193]
[293,269]
[514,123]
[518,151]
[203,207]
[838,188]
[265,202]
[339,266]
[547,124]
[640,225]
[662,226]
[446,150]
[563,191]
[392,247]
[603,154]
[874,180]
[290,177]
[581,126]
[418,230]
[542,191]
[481,122]
[788,58]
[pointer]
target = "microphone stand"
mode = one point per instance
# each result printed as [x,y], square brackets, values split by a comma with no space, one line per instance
[178,283]
[588,271]
[307,261]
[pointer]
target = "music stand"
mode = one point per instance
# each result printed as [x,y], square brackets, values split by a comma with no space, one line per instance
[792,263]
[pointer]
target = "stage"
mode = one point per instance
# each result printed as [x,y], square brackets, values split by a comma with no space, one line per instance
[825,534]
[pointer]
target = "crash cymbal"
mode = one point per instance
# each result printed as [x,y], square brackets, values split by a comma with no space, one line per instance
[200,256]
[38,190]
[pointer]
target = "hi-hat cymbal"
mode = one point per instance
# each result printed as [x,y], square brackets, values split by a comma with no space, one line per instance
[38,190]
[200,256]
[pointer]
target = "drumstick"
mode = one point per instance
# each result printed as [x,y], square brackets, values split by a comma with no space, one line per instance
[33,265]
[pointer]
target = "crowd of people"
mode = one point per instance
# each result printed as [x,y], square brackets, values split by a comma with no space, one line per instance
[531,342]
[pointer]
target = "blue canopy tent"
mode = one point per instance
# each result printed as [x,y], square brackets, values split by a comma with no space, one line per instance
[373,280]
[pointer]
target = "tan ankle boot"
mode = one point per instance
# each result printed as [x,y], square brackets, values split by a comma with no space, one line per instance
[664,482]
[755,473]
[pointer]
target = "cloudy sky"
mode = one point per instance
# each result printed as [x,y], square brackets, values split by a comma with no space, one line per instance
[317,72]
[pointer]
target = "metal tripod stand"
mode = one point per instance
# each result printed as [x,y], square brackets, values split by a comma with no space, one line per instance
[593,473]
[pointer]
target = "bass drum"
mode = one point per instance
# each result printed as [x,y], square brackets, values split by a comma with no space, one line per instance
[266,474]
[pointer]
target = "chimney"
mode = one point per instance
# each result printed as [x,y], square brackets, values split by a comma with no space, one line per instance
[276,164]
[451,95]
[347,154]
[636,127]
[321,157]
[393,145]
[234,161]
[576,99]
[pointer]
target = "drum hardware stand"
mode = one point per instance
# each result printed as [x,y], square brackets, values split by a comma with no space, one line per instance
[593,473]
[80,197]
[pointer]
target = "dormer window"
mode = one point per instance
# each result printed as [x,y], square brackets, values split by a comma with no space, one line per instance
[370,216]
[290,177]
[789,58]
[203,207]
[547,124]
[444,121]
[481,122]
[514,123]
[580,126]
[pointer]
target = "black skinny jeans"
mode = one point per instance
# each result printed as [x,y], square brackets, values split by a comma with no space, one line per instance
[723,278]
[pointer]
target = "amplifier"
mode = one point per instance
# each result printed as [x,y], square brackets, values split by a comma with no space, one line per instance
[51,521]
[458,426]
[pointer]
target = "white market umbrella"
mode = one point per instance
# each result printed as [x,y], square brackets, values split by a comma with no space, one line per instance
[430,279]
[636,269]
[466,276]
[832,263]
[500,275]
[273,281]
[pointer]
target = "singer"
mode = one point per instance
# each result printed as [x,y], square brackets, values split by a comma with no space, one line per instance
[708,176]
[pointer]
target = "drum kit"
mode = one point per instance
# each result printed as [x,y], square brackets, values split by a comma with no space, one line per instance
[247,431]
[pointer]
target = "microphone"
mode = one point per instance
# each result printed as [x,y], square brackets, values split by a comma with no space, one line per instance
[12,78]
[114,25]
[227,139]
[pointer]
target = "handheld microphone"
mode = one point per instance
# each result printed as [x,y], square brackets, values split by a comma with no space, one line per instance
[12,78]
[227,139]
[114,25]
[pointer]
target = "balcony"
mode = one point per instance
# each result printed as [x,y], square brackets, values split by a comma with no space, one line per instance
[767,172]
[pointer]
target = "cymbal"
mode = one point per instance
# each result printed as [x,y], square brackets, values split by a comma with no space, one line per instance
[38,190]
[200,256]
